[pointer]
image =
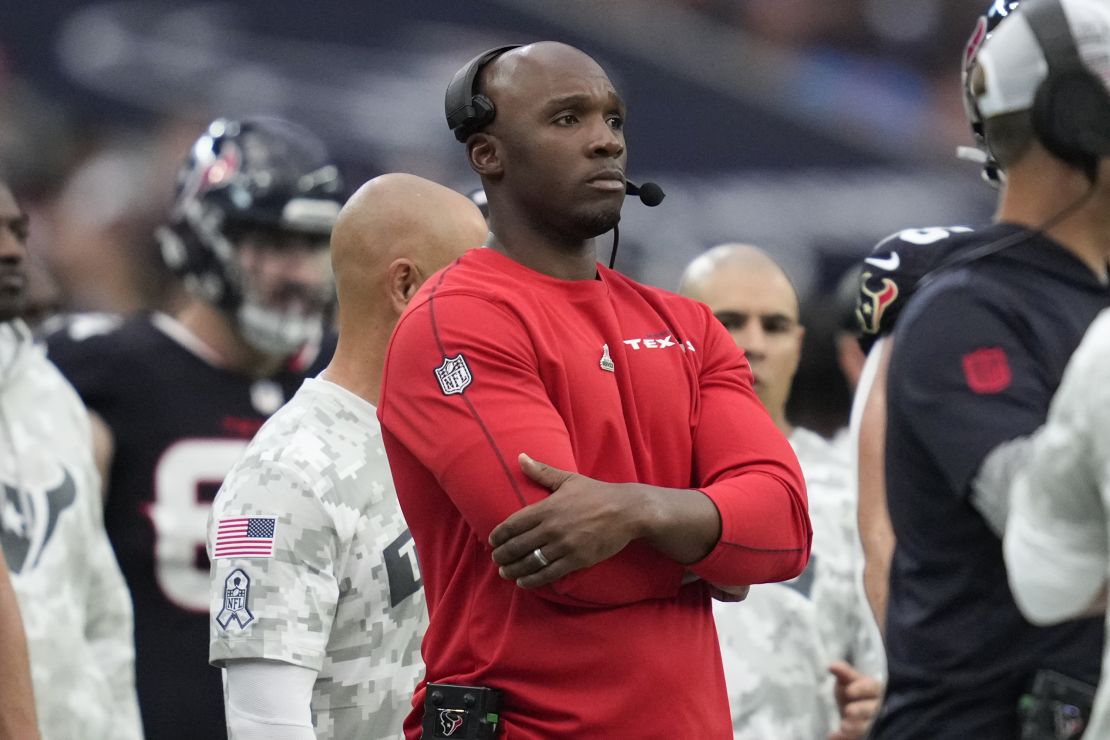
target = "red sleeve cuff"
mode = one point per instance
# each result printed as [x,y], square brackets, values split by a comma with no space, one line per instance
[765,532]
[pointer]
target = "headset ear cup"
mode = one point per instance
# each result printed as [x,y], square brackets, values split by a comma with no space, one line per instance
[473,117]
[484,111]
[466,109]
[1045,117]
[1087,124]
[1070,113]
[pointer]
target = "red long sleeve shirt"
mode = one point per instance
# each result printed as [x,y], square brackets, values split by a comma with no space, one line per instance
[620,382]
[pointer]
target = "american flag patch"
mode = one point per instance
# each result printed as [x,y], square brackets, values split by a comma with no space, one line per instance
[245,537]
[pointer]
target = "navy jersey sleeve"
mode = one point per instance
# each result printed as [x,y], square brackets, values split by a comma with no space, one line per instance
[962,379]
[82,347]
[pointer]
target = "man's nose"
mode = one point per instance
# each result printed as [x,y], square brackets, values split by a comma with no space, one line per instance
[752,339]
[607,141]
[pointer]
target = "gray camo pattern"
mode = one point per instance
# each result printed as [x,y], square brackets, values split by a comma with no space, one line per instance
[777,644]
[74,603]
[323,600]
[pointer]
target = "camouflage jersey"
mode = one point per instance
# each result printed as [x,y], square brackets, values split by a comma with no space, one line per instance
[777,644]
[72,597]
[312,563]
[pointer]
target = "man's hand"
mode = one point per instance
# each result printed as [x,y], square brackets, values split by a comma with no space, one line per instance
[857,699]
[582,522]
[729,594]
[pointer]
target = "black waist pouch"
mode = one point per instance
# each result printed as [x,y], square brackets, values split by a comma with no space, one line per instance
[1057,707]
[466,712]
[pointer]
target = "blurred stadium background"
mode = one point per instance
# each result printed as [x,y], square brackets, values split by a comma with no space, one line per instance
[809,127]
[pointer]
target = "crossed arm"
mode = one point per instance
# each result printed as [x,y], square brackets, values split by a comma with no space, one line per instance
[744,521]
[586,521]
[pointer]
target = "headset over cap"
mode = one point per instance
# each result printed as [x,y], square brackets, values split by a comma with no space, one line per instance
[1052,58]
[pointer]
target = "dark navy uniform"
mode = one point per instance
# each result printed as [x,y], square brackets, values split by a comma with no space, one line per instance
[180,423]
[978,354]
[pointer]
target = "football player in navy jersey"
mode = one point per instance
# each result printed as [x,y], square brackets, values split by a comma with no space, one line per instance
[965,377]
[177,398]
[887,279]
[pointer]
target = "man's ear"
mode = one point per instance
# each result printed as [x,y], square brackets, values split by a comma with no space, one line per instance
[484,153]
[403,279]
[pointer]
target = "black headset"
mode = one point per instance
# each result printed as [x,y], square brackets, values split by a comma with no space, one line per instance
[1071,108]
[468,110]
[1070,117]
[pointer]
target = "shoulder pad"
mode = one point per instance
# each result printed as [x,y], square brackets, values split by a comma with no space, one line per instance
[891,273]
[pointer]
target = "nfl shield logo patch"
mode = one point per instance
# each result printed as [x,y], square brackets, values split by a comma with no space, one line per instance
[987,370]
[453,375]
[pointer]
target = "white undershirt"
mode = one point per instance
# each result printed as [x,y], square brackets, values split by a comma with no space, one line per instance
[268,700]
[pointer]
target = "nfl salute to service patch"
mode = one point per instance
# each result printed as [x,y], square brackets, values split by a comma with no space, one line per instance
[237,591]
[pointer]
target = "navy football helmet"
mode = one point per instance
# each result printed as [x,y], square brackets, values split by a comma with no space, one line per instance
[255,175]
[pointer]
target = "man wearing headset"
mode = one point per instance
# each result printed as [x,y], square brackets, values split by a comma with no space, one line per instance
[581,459]
[977,354]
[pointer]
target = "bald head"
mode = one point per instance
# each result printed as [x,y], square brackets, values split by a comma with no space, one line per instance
[392,222]
[547,59]
[527,80]
[725,263]
[753,297]
[391,236]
